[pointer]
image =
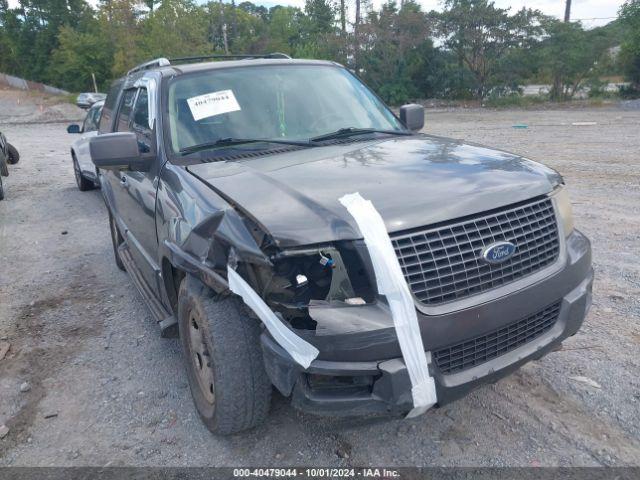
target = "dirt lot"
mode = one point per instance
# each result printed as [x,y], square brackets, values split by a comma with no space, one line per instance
[103,388]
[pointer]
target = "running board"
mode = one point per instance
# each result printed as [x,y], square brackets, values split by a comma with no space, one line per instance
[167,321]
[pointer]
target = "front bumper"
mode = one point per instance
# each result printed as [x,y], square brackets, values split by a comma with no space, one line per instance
[363,372]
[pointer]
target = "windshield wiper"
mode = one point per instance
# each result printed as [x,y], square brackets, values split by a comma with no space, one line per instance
[229,141]
[352,131]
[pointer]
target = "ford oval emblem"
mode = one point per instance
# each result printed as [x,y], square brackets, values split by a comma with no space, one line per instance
[498,252]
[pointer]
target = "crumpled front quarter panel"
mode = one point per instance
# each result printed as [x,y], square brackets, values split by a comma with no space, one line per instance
[196,227]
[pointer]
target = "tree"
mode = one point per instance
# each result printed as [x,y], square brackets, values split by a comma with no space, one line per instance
[177,28]
[31,32]
[120,19]
[78,56]
[10,27]
[285,29]
[396,47]
[481,34]
[630,48]
[569,54]
[320,17]
[483,49]
[356,36]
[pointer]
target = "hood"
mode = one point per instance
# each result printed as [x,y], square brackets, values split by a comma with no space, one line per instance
[412,181]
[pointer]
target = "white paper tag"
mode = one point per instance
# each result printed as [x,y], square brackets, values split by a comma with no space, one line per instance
[211,104]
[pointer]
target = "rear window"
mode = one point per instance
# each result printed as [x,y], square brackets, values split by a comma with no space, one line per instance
[109,106]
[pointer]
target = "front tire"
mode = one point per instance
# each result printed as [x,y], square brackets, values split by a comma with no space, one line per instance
[1,189]
[81,181]
[4,167]
[14,156]
[223,358]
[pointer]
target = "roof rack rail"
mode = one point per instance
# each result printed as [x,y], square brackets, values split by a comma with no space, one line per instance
[229,56]
[158,62]
[164,62]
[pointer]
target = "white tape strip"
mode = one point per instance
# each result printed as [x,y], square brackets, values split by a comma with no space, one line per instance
[301,351]
[392,285]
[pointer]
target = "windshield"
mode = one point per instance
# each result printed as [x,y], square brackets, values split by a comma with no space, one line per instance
[285,102]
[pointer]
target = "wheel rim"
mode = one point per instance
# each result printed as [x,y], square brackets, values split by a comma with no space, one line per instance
[76,172]
[201,358]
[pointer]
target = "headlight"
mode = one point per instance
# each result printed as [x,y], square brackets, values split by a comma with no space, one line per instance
[564,210]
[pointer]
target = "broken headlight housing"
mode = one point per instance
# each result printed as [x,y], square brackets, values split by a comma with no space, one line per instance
[325,273]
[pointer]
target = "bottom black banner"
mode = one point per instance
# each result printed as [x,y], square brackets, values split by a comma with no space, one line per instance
[391,473]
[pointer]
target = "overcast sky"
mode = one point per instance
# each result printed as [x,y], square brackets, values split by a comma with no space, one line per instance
[600,10]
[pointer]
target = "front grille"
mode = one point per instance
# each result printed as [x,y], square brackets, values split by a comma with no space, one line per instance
[444,263]
[481,349]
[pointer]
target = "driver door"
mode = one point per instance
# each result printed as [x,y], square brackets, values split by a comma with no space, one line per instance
[137,190]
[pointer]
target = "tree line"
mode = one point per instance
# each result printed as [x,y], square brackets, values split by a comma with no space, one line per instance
[472,49]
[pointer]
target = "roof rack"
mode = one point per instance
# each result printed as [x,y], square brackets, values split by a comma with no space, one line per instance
[158,62]
[229,56]
[164,62]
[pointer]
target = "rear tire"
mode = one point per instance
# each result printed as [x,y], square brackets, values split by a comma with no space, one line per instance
[4,167]
[81,181]
[14,156]
[1,189]
[223,358]
[116,240]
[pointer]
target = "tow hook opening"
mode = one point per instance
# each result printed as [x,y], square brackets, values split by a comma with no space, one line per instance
[351,383]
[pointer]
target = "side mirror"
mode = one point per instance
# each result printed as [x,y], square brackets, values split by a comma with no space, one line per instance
[118,151]
[73,128]
[412,115]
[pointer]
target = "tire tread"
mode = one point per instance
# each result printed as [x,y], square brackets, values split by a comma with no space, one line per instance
[242,387]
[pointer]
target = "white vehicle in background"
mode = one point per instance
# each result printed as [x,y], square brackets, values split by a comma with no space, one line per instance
[8,156]
[87,99]
[87,175]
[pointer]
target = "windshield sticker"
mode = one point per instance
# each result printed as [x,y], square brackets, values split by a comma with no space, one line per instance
[212,104]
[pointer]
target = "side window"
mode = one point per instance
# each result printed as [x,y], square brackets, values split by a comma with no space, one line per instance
[124,114]
[110,105]
[88,126]
[140,123]
[92,120]
[96,117]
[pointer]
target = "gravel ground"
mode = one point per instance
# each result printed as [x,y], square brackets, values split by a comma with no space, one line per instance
[22,107]
[104,388]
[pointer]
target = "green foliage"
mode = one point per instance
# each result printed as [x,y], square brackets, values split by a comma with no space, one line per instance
[570,54]
[481,35]
[78,56]
[175,28]
[472,49]
[320,17]
[285,30]
[630,49]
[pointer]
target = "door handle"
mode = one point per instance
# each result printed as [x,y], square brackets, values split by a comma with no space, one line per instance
[123,181]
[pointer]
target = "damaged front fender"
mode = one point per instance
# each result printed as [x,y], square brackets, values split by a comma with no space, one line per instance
[323,293]
[198,231]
